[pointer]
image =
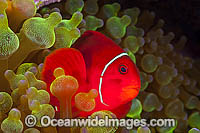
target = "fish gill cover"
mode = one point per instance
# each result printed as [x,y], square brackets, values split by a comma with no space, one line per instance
[170,83]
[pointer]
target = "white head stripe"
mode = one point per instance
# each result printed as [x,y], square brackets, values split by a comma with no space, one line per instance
[56,108]
[101,78]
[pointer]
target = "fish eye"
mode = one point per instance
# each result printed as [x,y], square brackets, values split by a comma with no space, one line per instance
[123,69]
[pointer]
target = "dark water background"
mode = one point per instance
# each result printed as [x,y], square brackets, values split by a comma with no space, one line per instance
[181,17]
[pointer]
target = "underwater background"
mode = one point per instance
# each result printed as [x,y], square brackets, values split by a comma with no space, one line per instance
[161,37]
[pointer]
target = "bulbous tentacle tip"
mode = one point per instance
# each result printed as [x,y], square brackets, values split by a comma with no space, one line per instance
[6,102]
[86,101]
[9,42]
[126,20]
[194,130]
[12,123]
[143,130]
[31,130]
[63,85]
[3,5]
[59,72]
[54,18]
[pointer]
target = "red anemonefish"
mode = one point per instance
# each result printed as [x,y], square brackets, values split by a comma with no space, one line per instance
[97,63]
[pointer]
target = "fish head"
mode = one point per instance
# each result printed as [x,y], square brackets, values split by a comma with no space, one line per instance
[120,82]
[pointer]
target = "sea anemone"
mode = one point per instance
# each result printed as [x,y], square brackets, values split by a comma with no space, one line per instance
[169,79]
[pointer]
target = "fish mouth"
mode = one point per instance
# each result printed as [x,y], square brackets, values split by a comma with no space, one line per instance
[130,91]
[132,87]
[128,95]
